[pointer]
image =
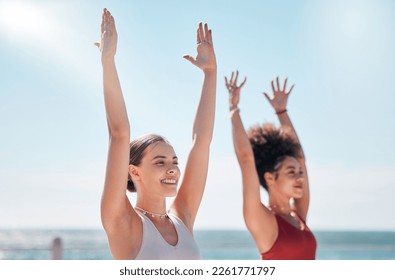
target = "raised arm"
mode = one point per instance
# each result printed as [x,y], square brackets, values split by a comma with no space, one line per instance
[260,222]
[279,103]
[116,211]
[192,186]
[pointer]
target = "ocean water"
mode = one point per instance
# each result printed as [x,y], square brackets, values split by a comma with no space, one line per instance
[214,245]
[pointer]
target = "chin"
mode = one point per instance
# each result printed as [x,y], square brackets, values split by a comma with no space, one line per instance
[171,194]
[298,195]
[171,191]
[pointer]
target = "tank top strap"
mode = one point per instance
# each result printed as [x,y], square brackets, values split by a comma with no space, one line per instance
[301,219]
[178,223]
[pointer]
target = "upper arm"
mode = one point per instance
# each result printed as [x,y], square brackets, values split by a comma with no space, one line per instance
[115,205]
[190,193]
[260,222]
[120,221]
[113,199]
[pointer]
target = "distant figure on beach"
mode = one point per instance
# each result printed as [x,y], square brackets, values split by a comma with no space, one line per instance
[57,249]
[149,166]
[273,158]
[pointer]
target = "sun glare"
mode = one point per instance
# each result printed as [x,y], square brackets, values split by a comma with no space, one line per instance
[21,19]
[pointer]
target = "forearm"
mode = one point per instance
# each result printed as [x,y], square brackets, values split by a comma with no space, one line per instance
[117,118]
[241,142]
[245,157]
[285,121]
[204,121]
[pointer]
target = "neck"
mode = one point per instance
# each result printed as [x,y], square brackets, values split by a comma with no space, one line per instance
[151,214]
[151,203]
[280,206]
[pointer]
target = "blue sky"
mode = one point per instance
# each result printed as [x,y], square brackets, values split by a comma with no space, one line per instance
[340,55]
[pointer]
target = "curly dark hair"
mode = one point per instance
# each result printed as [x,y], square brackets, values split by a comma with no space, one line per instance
[271,145]
[136,153]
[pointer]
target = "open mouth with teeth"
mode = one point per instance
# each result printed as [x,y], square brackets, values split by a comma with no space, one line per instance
[169,181]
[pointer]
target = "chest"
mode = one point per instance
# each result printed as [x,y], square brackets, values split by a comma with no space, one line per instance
[167,231]
[294,221]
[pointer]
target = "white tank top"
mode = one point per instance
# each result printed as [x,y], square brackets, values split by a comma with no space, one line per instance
[155,247]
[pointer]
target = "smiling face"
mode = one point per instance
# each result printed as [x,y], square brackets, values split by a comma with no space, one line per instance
[158,172]
[287,180]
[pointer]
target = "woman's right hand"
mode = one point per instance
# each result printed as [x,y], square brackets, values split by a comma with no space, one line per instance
[234,90]
[205,58]
[109,36]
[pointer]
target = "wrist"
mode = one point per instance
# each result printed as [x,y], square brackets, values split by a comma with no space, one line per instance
[279,112]
[233,107]
[233,110]
[107,58]
[212,71]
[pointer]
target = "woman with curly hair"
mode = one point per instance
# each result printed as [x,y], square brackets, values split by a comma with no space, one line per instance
[273,158]
[149,166]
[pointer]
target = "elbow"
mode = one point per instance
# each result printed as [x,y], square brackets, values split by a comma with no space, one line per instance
[201,141]
[118,133]
[119,129]
[245,156]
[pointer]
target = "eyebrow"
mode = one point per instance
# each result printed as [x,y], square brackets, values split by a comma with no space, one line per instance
[290,167]
[163,157]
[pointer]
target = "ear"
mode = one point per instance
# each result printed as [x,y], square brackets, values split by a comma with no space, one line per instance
[134,173]
[269,178]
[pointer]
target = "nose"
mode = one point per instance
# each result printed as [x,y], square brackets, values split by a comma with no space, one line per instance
[300,178]
[172,171]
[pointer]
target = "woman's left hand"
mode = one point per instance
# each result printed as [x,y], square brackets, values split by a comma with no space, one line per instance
[205,58]
[280,96]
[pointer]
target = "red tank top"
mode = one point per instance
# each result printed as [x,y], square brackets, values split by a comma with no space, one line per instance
[291,243]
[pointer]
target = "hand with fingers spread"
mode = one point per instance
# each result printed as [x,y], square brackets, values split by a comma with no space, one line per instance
[205,58]
[234,90]
[280,96]
[109,36]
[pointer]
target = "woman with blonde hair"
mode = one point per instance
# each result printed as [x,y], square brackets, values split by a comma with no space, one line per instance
[149,166]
